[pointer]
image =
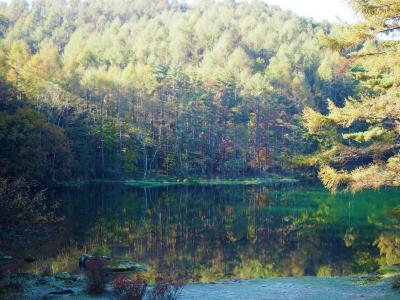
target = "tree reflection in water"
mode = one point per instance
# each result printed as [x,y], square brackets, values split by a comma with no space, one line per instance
[208,233]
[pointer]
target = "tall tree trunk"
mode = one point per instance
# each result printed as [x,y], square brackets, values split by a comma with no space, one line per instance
[119,135]
[102,135]
[145,158]
[257,134]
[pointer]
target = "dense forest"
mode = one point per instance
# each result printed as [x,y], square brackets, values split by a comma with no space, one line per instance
[128,89]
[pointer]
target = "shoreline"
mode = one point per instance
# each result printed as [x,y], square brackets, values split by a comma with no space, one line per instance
[163,182]
[304,287]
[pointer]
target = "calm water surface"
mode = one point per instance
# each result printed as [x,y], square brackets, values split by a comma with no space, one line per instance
[208,233]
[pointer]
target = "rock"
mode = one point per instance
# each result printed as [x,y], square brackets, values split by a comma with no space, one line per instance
[5,257]
[43,280]
[62,292]
[84,259]
[120,265]
[68,277]
[77,278]
[127,266]
[386,272]
[63,276]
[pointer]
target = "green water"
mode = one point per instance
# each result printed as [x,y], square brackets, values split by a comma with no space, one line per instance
[207,233]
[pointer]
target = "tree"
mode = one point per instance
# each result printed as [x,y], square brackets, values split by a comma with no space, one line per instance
[361,140]
[32,148]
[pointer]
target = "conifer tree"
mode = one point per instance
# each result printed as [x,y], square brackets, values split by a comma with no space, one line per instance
[361,140]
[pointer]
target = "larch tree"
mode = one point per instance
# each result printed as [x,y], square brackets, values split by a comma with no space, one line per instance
[360,140]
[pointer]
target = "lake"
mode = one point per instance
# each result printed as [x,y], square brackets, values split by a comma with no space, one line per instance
[208,233]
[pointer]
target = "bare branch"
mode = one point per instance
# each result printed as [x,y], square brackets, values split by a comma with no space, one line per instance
[389,29]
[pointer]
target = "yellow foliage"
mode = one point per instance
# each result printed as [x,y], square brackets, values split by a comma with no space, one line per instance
[320,158]
[315,121]
[370,109]
[389,248]
[366,136]
[373,176]
[332,178]
[324,271]
[377,61]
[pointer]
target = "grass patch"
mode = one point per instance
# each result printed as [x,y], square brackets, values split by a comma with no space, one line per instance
[172,181]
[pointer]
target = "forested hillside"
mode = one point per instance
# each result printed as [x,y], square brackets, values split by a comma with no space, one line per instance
[125,89]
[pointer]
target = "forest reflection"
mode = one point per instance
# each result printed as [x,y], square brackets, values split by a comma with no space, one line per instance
[207,233]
